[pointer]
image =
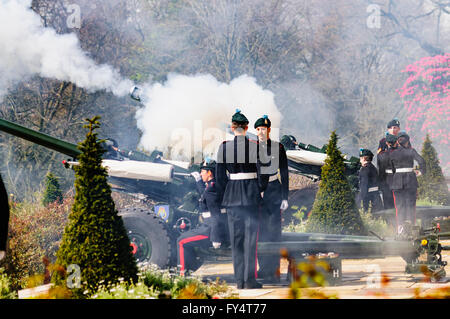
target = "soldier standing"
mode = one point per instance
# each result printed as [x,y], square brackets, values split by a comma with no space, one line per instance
[383,164]
[241,190]
[368,182]
[403,181]
[4,219]
[214,228]
[393,128]
[275,199]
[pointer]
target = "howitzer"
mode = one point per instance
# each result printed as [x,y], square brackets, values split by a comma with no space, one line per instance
[170,208]
[164,187]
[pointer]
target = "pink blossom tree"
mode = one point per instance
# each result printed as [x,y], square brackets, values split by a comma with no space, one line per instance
[427,102]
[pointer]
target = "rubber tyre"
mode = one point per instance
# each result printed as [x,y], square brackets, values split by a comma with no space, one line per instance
[150,237]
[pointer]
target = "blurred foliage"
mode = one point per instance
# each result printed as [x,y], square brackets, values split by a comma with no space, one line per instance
[6,291]
[34,234]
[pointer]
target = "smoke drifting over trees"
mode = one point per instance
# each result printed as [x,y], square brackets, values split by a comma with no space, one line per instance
[330,65]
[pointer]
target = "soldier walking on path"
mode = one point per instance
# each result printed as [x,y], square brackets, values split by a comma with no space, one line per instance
[239,180]
[275,199]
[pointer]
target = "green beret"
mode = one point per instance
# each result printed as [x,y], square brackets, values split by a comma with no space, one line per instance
[394,122]
[209,165]
[403,133]
[365,152]
[263,121]
[239,118]
[391,138]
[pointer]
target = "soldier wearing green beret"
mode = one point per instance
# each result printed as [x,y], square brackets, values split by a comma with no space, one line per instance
[403,181]
[275,199]
[393,127]
[240,184]
[369,194]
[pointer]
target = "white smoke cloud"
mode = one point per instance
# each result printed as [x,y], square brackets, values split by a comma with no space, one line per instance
[27,48]
[188,113]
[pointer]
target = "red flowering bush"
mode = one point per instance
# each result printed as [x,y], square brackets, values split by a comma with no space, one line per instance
[426,96]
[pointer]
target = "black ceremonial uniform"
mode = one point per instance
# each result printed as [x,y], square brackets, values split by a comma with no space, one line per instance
[213,229]
[403,182]
[276,191]
[383,164]
[4,216]
[369,188]
[241,190]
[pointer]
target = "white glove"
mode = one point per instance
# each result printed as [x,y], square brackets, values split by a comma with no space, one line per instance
[196,175]
[2,254]
[262,194]
[216,244]
[284,205]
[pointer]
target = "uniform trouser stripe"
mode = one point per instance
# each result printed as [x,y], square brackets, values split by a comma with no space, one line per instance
[185,241]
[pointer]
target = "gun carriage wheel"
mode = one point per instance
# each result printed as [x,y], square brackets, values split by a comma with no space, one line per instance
[150,237]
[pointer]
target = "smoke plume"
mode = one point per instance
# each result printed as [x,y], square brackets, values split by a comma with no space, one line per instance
[28,49]
[190,113]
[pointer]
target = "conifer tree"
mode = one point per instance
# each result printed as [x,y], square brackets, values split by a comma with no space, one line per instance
[95,238]
[432,185]
[52,191]
[334,210]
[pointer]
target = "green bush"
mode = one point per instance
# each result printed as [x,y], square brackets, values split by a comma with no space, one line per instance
[95,238]
[334,210]
[52,191]
[432,185]
[6,291]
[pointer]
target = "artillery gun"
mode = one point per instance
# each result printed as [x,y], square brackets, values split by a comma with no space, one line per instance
[168,191]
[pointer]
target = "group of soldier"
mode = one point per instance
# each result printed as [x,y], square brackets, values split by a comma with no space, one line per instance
[244,192]
[395,180]
[242,197]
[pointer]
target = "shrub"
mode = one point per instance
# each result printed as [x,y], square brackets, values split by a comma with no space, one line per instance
[95,238]
[52,191]
[432,185]
[34,234]
[6,291]
[334,210]
[157,283]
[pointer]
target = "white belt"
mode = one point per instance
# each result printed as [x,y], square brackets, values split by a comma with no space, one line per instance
[238,176]
[373,189]
[273,178]
[206,214]
[401,170]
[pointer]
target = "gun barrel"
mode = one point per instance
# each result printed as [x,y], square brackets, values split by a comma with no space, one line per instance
[40,138]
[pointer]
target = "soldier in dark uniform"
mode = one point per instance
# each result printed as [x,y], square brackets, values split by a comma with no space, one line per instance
[213,231]
[383,164]
[239,180]
[368,182]
[403,181]
[4,219]
[393,128]
[275,199]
